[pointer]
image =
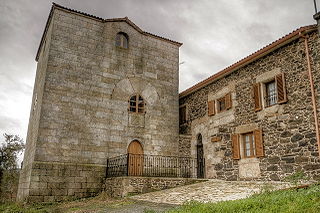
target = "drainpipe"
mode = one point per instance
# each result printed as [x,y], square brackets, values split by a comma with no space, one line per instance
[313,96]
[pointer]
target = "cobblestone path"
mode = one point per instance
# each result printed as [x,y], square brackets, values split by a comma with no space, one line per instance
[209,191]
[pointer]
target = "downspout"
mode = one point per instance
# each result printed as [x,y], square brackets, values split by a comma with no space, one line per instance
[313,96]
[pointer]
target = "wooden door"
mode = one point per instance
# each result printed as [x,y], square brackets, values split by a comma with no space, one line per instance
[135,159]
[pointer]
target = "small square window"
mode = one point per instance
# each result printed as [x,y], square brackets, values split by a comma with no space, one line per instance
[221,104]
[136,104]
[122,40]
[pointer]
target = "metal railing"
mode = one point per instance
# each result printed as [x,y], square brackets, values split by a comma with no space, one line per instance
[271,99]
[152,166]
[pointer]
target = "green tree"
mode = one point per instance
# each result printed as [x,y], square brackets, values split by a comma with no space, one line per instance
[9,150]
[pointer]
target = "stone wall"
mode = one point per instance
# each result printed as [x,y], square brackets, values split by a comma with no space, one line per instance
[184,145]
[288,129]
[52,181]
[34,118]
[85,82]
[123,186]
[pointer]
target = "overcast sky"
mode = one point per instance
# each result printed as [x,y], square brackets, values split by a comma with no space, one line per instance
[214,33]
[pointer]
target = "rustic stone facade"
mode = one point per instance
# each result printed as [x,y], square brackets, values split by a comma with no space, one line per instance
[80,111]
[184,145]
[288,129]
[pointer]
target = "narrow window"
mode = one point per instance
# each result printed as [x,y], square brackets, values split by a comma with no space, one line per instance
[133,104]
[35,101]
[182,114]
[248,145]
[122,40]
[271,93]
[221,104]
[140,105]
[136,104]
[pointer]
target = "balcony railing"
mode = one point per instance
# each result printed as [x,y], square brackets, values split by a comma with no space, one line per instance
[152,166]
[271,99]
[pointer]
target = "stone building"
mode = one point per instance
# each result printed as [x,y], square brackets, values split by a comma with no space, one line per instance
[258,118]
[103,88]
[106,88]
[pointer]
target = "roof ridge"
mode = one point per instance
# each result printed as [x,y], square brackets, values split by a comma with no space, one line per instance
[126,19]
[76,11]
[248,59]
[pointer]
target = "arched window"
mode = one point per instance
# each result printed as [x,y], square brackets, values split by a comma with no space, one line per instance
[136,104]
[122,40]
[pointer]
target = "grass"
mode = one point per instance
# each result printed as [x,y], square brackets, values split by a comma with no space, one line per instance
[93,204]
[290,201]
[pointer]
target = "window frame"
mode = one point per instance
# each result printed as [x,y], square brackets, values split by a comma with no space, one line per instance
[261,92]
[252,145]
[219,101]
[137,101]
[119,40]
[185,114]
[266,93]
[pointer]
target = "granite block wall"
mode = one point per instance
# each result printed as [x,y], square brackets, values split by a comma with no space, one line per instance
[83,84]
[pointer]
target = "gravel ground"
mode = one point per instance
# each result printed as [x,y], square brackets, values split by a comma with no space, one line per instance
[138,207]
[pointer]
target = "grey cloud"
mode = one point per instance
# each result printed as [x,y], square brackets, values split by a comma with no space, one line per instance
[215,34]
[8,124]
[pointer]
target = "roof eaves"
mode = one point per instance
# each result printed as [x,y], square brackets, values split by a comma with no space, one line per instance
[77,11]
[126,19]
[249,59]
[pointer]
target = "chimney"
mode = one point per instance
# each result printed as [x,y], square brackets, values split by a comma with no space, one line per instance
[317,15]
[317,18]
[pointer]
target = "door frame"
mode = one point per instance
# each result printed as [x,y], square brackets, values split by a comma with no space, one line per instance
[135,159]
[200,157]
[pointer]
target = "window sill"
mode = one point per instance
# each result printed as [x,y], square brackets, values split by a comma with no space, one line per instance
[270,111]
[122,48]
[249,157]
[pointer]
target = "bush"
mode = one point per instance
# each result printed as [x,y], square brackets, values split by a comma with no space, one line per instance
[9,185]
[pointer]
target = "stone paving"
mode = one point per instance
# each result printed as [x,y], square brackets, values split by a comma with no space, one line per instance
[210,191]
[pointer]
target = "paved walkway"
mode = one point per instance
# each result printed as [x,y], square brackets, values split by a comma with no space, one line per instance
[209,191]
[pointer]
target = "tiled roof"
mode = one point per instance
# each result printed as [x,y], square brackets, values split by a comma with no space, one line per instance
[254,56]
[126,19]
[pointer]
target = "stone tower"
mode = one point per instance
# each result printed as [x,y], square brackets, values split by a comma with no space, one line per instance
[100,84]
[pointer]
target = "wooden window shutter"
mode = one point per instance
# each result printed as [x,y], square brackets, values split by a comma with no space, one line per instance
[258,142]
[257,97]
[211,109]
[235,146]
[228,100]
[281,88]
